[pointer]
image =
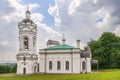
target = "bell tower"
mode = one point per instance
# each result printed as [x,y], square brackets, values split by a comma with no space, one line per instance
[27,59]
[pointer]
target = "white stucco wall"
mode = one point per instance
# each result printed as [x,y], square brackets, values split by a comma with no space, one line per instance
[29,65]
[88,65]
[54,58]
[76,63]
[42,63]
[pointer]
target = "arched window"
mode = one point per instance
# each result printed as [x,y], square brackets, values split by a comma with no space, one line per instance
[67,65]
[58,65]
[26,43]
[83,65]
[50,65]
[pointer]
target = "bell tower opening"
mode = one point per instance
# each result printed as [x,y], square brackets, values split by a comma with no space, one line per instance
[26,43]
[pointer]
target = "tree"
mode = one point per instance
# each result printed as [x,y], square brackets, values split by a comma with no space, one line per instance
[106,50]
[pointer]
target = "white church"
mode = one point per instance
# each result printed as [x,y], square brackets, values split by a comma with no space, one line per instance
[56,58]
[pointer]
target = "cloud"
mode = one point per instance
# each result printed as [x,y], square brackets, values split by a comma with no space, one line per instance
[9,29]
[5,43]
[54,11]
[8,56]
[117,31]
[79,19]
[74,5]
[45,32]
[19,10]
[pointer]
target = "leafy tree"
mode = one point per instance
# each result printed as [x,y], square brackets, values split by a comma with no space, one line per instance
[8,68]
[106,50]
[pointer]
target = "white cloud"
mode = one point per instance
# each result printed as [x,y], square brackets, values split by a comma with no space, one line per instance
[37,17]
[95,1]
[105,14]
[10,23]
[18,15]
[54,11]
[19,10]
[117,30]
[8,56]
[79,18]
[74,5]
[5,43]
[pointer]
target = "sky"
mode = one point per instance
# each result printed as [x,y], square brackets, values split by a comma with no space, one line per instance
[77,19]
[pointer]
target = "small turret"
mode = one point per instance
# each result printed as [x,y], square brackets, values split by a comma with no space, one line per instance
[63,40]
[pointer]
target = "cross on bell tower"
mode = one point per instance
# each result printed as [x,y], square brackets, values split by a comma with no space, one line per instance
[27,14]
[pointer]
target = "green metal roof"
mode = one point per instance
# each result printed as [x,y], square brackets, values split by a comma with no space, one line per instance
[60,47]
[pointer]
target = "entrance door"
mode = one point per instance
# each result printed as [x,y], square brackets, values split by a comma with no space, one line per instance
[84,67]
[24,70]
[35,69]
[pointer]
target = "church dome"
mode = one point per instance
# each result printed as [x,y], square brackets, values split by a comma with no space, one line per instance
[52,42]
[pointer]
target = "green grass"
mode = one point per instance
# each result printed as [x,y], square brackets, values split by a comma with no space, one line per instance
[101,75]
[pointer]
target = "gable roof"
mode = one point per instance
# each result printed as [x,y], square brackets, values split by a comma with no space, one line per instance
[60,47]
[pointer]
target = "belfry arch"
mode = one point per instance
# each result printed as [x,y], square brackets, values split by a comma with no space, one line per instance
[25,42]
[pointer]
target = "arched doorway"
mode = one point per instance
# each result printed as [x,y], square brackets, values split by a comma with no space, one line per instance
[35,69]
[84,67]
[24,70]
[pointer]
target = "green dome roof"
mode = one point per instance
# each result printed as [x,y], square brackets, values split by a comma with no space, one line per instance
[60,47]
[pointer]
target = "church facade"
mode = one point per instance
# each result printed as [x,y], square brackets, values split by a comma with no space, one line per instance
[55,58]
[63,58]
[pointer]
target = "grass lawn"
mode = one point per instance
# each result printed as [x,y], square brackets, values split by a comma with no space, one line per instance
[113,74]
